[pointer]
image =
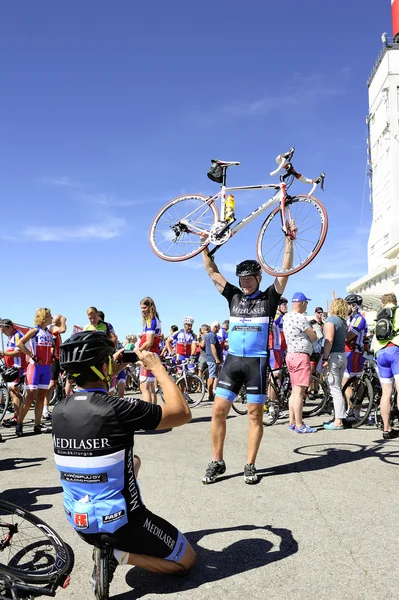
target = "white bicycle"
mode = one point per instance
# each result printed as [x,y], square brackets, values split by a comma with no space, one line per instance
[188,224]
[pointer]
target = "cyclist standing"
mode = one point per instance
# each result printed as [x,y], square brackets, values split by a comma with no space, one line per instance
[93,436]
[251,314]
[357,331]
[13,358]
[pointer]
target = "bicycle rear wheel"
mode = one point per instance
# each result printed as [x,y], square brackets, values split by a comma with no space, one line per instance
[175,232]
[359,392]
[311,221]
[30,549]
[240,405]
[271,409]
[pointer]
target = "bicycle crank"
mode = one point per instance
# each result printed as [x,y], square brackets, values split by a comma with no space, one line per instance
[219,233]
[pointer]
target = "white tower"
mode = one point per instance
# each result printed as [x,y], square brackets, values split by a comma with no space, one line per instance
[383,122]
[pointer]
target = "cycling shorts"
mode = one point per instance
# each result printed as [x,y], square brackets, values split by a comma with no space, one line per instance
[37,376]
[239,370]
[55,369]
[16,382]
[146,375]
[152,536]
[388,363]
[276,360]
[355,364]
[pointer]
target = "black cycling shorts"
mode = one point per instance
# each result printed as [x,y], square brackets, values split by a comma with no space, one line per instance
[55,370]
[152,535]
[243,370]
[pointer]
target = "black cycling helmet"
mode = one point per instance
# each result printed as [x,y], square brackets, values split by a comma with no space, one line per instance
[85,351]
[354,299]
[282,301]
[248,267]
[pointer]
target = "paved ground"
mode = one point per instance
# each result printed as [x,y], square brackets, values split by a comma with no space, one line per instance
[321,523]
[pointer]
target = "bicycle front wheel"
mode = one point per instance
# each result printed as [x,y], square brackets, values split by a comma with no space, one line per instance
[360,398]
[311,221]
[175,232]
[193,389]
[316,397]
[31,550]
[5,402]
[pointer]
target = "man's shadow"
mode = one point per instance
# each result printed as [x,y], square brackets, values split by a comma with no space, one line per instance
[29,498]
[215,565]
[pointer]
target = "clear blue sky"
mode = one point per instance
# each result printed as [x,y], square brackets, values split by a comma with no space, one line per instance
[108,110]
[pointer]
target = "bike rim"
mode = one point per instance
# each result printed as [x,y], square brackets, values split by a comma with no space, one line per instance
[168,238]
[311,220]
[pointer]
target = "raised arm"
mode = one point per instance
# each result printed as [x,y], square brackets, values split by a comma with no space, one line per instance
[288,259]
[213,271]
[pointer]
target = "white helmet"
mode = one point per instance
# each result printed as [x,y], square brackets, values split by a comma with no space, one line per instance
[188,321]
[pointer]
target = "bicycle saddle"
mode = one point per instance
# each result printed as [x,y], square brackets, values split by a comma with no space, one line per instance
[225,163]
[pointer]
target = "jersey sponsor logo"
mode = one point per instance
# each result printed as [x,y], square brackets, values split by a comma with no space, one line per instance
[159,533]
[73,444]
[246,310]
[81,520]
[84,477]
[247,328]
[132,485]
[114,517]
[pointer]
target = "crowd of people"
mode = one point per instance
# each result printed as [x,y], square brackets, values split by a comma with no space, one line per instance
[260,334]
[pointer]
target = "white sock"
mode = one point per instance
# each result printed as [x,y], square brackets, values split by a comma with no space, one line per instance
[121,556]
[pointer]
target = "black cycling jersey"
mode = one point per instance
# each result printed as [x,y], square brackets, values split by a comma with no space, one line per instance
[93,437]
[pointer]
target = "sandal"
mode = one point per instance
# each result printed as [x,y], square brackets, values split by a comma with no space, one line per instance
[330,426]
[305,429]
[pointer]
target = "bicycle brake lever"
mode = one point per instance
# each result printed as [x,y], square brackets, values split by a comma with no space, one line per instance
[322,177]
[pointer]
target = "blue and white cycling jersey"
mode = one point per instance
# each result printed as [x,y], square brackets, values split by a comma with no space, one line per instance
[249,320]
[93,437]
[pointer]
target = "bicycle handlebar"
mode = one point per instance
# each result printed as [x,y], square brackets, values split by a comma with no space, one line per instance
[284,162]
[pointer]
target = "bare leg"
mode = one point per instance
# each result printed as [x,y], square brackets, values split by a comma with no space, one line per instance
[220,411]
[16,400]
[40,397]
[30,396]
[296,403]
[385,404]
[161,565]
[255,413]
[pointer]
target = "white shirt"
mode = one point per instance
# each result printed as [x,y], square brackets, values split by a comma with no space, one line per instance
[294,325]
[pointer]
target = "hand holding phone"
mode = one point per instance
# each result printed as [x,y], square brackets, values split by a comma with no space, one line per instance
[129,356]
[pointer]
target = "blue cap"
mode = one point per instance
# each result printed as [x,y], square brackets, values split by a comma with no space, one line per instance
[299,297]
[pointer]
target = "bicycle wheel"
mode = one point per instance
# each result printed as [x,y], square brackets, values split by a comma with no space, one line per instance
[240,405]
[271,409]
[101,573]
[30,549]
[359,392]
[316,397]
[193,389]
[175,232]
[311,220]
[5,401]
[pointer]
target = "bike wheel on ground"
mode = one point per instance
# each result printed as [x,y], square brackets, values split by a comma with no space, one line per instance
[271,409]
[359,392]
[311,221]
[193,389]
[240,405]
[175,231]
[316,397]
[31,550]
[5,401]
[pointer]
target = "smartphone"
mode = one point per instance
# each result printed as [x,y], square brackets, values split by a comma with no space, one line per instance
[129,356]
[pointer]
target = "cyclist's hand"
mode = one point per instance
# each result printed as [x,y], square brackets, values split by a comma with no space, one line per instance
[149,360]
[324,364]
[37,360]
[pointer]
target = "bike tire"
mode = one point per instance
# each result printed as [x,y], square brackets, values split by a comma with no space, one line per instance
[62,563]
[192,396]
[363,393]
[271,409]
[305,250]
[240,405]
[5,395]
[167,234]
[315,406]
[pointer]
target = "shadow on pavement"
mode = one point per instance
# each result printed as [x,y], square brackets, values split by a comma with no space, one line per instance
[20,463]
[28,497]
[206,419]
[213,565]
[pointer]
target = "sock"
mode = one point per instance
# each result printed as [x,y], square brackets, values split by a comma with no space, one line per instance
[121,556]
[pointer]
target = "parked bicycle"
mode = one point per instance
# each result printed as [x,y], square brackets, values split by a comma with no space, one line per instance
[35,560]
[188,224]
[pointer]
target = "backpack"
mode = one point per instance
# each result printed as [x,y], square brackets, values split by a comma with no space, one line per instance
[384,329]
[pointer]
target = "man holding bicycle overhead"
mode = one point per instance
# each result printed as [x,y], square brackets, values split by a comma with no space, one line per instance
[251,314]
[93,436]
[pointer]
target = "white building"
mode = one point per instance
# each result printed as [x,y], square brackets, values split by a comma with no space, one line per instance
[383,122]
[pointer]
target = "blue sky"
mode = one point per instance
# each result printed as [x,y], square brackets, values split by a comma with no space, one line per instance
[108,110]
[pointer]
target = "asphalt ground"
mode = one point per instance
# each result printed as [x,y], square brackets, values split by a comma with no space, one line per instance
[320,523]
